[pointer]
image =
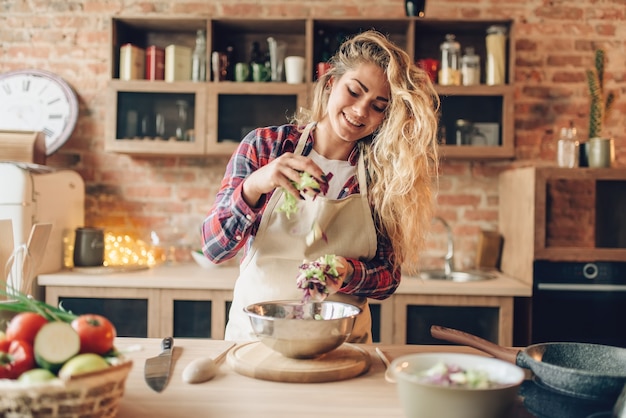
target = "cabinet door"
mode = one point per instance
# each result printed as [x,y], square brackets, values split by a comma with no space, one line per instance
[129,316]
[146,119]
[480,321]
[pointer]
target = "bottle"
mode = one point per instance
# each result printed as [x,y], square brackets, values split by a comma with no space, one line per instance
[496,49]
[463,131]
[230,63]
[450,74]
[198,59]
[256,56]
[181,121]
[567,148]
[470,67]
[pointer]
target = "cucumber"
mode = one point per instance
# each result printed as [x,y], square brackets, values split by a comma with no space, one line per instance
[55,343]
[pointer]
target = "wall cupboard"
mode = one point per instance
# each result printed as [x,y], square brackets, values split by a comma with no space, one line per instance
[220,113]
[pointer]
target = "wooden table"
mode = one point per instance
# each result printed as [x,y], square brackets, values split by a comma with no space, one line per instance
[232,395]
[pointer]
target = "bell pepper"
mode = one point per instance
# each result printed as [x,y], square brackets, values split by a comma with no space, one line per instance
[16,357]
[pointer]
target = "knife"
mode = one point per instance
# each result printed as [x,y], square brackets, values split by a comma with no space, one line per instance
[157,369]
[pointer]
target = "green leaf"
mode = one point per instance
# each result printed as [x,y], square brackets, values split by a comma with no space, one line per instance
[19,302]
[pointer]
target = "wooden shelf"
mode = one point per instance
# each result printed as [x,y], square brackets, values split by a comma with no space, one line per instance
[305,36]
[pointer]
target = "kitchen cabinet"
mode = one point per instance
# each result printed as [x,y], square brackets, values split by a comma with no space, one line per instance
[222,112]
[561,214]
[176,293]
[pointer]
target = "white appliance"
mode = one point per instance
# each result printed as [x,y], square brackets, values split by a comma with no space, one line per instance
[31,193]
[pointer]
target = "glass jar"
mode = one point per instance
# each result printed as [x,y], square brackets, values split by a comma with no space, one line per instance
[567,149]
[449,73]
[470,68]
[496,51]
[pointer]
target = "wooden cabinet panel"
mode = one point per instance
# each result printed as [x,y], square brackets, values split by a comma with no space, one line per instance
[544,211]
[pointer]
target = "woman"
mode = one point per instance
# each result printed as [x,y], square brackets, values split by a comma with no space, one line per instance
[370,138]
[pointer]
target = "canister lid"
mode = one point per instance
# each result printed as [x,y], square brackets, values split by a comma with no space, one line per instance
[496,29]
[450,43]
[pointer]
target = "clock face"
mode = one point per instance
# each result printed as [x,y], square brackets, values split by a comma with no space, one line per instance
[35,100]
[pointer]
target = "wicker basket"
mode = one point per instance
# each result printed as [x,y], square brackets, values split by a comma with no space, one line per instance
[92,395]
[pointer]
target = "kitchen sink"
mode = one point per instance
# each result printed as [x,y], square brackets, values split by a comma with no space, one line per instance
[456,276]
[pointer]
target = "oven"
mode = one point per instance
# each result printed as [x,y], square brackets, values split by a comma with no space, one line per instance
[579,302]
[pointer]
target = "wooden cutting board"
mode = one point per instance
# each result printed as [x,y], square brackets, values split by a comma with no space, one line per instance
[256,360]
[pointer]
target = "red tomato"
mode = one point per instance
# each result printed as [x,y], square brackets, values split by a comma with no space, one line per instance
[96,333]
[24,326]
[16,357]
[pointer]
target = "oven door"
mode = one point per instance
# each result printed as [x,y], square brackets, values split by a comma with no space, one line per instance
[580,302]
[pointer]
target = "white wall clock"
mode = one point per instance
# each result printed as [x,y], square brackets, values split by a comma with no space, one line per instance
[37,100]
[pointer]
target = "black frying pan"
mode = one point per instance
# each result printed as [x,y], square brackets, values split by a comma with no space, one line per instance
[590,371]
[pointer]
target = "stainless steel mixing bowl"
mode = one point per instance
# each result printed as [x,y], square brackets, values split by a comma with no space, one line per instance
[302,330]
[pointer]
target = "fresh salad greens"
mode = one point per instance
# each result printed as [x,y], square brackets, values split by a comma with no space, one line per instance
[306,185]
[443,374]
[319,278]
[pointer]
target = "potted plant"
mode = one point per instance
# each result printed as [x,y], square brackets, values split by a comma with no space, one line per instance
[600,104]
[599,149]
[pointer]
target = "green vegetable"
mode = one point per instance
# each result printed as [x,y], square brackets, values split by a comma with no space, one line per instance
[82,363]
[55,344]
[36,376]
[307,185]
[19,302]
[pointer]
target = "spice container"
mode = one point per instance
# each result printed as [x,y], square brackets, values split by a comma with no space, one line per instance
[450,73]
[470,68]
[496,50]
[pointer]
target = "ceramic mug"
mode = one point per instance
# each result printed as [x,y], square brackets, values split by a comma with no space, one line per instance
[242,71]
[294,69]
[260,72]
[89,247]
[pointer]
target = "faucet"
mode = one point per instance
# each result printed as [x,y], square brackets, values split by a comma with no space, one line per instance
[448,266]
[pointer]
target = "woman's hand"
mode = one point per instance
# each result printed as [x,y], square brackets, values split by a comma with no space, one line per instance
[281,172]
[345,270]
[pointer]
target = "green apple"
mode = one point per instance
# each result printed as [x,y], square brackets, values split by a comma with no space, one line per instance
[82,363]
[36,376]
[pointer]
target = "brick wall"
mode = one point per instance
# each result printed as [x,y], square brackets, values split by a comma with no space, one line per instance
[555,40]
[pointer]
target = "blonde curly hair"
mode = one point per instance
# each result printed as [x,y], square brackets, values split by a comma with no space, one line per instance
[401,156]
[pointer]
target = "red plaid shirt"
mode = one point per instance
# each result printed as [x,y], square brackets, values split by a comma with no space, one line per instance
[232,224]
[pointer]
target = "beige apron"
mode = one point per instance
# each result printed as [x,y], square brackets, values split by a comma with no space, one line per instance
[269,270]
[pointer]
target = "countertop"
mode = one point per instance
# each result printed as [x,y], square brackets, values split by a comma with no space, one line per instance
[192,276]
[233,395]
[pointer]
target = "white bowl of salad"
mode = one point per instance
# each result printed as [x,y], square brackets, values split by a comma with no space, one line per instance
[454,385]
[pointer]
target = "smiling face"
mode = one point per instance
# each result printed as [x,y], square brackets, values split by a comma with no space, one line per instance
[357,103]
